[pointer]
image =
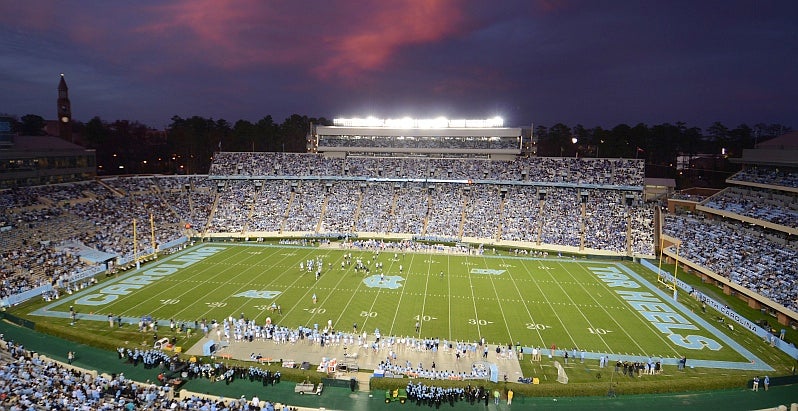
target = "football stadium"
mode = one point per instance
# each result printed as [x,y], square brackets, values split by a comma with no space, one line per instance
[430,261]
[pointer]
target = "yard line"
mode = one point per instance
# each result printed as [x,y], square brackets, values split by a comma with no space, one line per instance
[543,294]
[526,307]
[577,307]
[424,303]
[352,297]
[498,301]
[178,284]
[270,269]
[250,267]
[330,295]
[648,325]
[449,289]
[473,298]
[398,304]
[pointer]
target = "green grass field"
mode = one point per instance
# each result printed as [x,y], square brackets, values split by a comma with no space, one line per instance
[503,298]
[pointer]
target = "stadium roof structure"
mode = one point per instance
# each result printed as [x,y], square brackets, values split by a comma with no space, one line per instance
[419,136]
[779,151]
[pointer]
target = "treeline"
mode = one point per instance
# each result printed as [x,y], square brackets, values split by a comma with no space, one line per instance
[185,147]
[188,144]
[662,142]
[670,150]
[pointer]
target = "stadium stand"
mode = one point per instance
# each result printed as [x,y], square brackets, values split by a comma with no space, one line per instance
[744,254]
[767,175]
[773,206]
[44,227]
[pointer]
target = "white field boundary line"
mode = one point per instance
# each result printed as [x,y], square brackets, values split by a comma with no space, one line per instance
[646,325]
[132,273]
[684,310]
[167,291]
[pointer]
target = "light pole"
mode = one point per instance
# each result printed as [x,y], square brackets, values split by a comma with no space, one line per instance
[575,140]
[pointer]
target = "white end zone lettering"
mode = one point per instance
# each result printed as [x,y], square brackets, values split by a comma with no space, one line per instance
[664,318]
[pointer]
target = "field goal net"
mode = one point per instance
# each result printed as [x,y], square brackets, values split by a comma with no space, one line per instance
[562,377]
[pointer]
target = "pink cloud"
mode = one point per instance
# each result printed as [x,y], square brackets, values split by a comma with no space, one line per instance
[328,40]
[372,44]
[337,40]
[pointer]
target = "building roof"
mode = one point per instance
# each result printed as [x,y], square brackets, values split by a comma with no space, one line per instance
[787,141]
[666,182]
[42,144]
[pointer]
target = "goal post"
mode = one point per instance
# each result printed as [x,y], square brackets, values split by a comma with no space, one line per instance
[562,377]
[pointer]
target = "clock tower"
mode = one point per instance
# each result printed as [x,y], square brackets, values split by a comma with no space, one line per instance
[64,111]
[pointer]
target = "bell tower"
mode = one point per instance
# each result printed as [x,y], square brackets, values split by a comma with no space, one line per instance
[64,111]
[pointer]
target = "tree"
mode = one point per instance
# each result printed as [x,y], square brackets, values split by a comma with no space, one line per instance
[32,125]
[96,133]
[293,133]
[741,137]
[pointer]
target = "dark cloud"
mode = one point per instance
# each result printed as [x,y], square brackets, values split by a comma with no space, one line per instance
[594,63]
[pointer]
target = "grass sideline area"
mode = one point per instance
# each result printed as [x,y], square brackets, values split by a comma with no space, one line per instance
[503,298]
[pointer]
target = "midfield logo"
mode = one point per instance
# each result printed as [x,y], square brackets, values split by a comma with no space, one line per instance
[390,281]
[486,271]
[258,294]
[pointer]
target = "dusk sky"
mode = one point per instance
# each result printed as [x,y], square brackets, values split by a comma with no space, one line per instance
[542,61]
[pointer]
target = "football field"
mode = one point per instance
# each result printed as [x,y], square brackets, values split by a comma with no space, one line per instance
[596,306]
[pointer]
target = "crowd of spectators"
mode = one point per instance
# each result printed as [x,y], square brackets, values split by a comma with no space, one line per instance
[642,230]
[605,225]
[379,199]
[269,208]
[623,172]
[305,206]
[235,201]
[688,196]
[521,214]
[561,217]
[44,228]
[31,382]
[445,210]
[785,177]
[189,197]
[742,253]
[341,205]
[481,211]
[763,204]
